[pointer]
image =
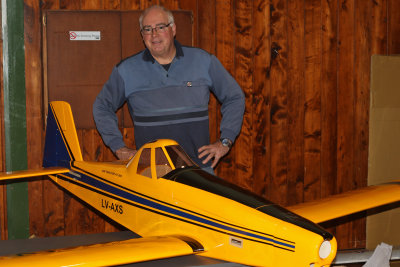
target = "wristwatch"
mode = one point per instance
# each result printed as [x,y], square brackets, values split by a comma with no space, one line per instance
[226,142]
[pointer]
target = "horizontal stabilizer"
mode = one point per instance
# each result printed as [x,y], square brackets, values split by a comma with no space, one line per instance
[336,206]
[107,254]
[32,173]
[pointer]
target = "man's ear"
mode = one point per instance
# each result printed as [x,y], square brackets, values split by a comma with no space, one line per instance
[174,29]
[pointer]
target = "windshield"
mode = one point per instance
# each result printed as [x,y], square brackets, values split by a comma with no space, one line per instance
[178,157]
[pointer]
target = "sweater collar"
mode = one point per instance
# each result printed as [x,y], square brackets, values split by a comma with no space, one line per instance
[179,52]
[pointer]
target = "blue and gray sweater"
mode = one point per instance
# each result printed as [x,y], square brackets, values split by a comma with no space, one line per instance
[169,104]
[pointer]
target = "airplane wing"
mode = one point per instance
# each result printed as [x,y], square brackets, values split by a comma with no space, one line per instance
[109,254]
[336,206]
[31,173]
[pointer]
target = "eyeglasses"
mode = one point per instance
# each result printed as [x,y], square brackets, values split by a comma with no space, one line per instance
[159,28]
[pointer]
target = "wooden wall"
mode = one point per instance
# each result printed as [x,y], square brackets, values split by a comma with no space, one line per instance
[304,66]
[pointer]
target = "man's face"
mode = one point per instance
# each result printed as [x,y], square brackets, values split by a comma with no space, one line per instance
[160,44]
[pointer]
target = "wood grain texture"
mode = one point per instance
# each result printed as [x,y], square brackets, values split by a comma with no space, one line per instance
[52,4]
[91,4]
[243,73]
[34,97]
[146,3]
[329,90]
[261,97]
[70,4]
[45,219]
[170,4]
[130,4]
[112,4]
[362,101]
[312,101]
[329,43]
[204,21]
[225,52]
[393,27]
[295,100]
[277,189]
[346,112]
[378,29]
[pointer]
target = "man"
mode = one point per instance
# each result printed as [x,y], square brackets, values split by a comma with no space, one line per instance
[167,88]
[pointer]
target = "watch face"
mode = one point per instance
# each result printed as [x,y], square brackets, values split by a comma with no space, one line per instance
[226,142]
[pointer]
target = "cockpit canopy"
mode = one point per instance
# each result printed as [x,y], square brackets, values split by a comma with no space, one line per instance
[155,159]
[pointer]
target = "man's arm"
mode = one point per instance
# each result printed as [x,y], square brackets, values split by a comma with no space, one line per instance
[110,98]
[231,96]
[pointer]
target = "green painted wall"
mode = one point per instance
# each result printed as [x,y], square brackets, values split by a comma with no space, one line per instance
[15,115]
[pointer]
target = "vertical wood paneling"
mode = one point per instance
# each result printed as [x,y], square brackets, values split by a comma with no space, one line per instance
[146,3]
[225,43]
[261,97]
[362,83]
[203,11]
[129,139]
[394,27]
[52,4]
[91,4]
[170,4]
[346,97]
[91,144]
[34,122]
[111,4]
[70,4]
[77,211]
[329,40]
[42,193]
[379,37]
[130,4]
[362,77]
[312,98]
[295,100]
[204,37]
[329,15]
[329,11]
[277,190]
[53,214]
[243,71]
[208,29]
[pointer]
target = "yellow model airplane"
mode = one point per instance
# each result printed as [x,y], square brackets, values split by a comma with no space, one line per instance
[179,209]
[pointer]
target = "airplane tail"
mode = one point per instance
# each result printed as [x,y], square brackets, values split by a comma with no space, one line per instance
[61,143]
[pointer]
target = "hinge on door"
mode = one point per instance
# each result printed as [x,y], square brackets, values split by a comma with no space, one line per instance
[44,20]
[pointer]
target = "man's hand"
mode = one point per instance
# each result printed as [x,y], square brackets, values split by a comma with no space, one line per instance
[125,153]
[215,150]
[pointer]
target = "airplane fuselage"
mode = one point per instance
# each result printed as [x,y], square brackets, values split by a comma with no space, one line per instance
[230,223]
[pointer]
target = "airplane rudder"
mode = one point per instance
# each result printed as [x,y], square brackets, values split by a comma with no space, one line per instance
[61,142]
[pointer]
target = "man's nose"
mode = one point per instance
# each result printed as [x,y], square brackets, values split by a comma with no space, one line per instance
[154,31]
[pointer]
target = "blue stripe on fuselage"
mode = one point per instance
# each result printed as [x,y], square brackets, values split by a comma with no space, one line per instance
[149,203]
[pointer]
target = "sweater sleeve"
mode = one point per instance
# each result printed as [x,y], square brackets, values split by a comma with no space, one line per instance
[107,102]
[232,99]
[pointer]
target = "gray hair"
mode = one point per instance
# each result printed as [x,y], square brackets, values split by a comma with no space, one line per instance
[147,10]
